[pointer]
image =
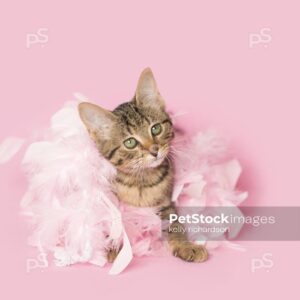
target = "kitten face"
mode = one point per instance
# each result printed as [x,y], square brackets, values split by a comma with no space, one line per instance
[136,135]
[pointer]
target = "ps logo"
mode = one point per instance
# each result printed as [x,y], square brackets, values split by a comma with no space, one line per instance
[39,262]
[40,37]
[263,37]
[266,262]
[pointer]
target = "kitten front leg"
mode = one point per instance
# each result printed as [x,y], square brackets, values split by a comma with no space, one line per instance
[178,242]
[183,248]
[111,254]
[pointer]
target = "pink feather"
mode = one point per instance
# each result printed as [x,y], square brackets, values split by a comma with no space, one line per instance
[77,217]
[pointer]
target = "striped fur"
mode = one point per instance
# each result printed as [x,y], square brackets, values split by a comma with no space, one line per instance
[144,173]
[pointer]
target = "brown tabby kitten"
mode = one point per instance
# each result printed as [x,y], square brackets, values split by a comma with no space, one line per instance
[135,137]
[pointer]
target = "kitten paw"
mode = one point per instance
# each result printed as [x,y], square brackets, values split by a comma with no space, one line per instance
[190,252]
[111,254]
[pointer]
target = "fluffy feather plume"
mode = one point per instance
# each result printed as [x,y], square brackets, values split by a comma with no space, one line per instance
[77,217]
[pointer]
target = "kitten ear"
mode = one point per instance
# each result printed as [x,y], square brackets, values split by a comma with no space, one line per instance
[147,92]
[96,119]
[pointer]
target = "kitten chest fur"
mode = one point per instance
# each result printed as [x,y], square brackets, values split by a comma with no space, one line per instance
[150,188]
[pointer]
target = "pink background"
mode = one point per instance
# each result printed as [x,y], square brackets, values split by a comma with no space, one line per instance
[200,54]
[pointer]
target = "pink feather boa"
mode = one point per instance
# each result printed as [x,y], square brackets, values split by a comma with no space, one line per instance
[77,217]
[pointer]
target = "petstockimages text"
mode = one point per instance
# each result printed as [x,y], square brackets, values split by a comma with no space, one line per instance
[221,219]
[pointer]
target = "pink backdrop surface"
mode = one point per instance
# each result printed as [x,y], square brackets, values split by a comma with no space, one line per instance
[231,65]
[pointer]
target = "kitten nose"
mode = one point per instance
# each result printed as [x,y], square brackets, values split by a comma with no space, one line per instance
[154,150]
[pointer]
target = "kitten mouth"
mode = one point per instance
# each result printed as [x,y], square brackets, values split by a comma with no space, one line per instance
[147,162]
[156,162]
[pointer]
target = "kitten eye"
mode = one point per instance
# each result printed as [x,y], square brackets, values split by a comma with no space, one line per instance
[130,143]
[156,129]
